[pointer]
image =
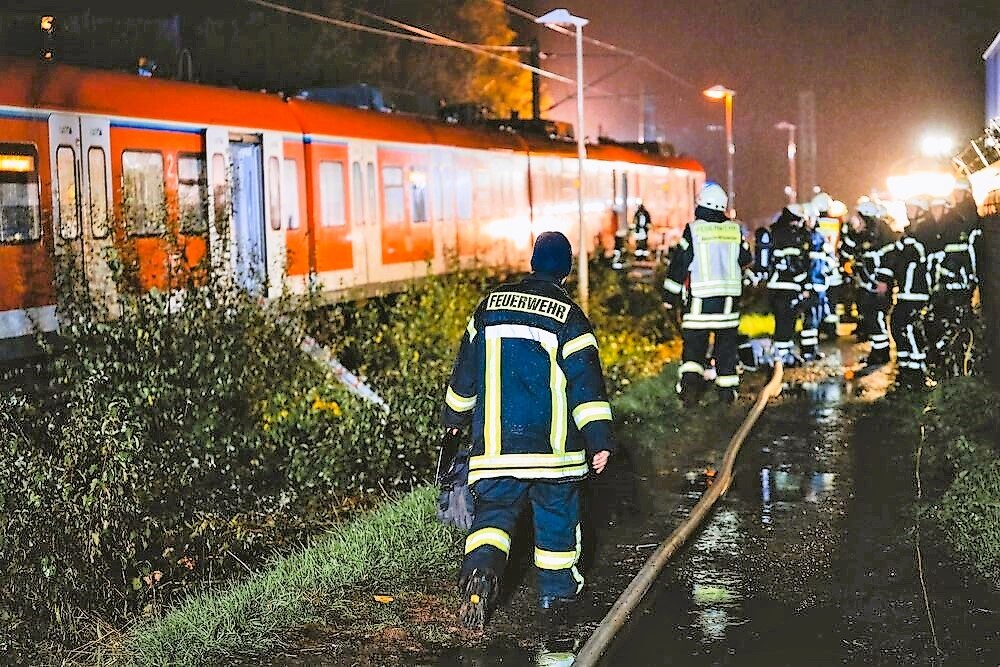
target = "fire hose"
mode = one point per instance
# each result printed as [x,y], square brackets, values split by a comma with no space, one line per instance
[619,614]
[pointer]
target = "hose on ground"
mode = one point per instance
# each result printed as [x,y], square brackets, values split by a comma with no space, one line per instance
[619,614]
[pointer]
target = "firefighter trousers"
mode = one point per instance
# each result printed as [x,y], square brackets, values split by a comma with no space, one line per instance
[556,511]
[718,315]
[873,310]
[815,309]
[784,305]
[908,333]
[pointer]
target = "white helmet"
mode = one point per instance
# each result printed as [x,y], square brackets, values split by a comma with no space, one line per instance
[838,209]
[796,210]
[713,197]
[922,202]
[868,209]
[822,203]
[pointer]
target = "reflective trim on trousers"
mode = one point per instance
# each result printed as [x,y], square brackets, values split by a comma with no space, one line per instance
[493,537]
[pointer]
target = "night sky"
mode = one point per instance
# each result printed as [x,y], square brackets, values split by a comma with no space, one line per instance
[884,72]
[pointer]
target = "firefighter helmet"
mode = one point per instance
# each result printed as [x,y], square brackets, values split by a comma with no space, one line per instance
[868,209]
[713,197]
[822,203]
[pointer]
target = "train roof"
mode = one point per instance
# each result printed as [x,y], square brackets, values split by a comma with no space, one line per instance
[58,87]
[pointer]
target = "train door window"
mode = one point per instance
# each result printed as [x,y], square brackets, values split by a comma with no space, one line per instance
[331,194]
[447,189]
[418,194]
[274,192]
[392,187]
[370,184]
[192,193]
[220,192]
[98,195]
[19,199]
[66,180]
[463,194]
[290,193]
[437,192]
[357,194]
[142,176]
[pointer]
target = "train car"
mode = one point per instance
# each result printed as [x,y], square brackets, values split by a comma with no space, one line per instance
[282,194]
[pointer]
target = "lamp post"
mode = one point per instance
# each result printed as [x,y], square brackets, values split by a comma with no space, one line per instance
[561,17]
[723,93]
[792,186]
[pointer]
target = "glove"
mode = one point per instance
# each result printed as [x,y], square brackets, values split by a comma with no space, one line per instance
[456,506]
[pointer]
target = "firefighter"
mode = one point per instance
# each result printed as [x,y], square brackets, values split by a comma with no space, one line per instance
[907,263]
[710,260]
[528,380]
[816,307]
[828,224]
[871,236]
[786,279]
[641,223]
[956,277]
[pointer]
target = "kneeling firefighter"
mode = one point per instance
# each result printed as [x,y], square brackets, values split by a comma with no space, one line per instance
[711,258]
[528,380]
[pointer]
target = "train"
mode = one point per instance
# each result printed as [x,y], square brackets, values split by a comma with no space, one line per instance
[314,196]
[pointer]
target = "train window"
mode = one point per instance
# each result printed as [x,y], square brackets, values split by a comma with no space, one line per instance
[97,174]
[192,193]
[19,200]
[66,180]
[274,192]
[372,198]
[437,194]
[418,194]
[331,194]
[484,193]
[392,186]
[447,189]
[463,194]
[357,194]
[220,189]
[144,205]
[290,193]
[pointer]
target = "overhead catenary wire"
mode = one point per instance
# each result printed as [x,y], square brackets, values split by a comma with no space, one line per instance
[437,40]
[602,44]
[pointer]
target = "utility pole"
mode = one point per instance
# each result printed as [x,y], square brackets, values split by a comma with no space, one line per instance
[807,144]
[536,62]
[792,189]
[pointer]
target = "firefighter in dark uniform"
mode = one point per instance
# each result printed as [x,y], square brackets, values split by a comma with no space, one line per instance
[786,279]
[956,277]
[907,263]
[710,262]
[871,237]
[528,380]
[641,224]
[816,306]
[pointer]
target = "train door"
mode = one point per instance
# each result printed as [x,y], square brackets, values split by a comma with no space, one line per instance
[79,148]
[275,241]
[247,213]
[442,185]
[365,219]
[219,196]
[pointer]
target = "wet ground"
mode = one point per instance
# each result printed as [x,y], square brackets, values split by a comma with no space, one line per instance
[809,559]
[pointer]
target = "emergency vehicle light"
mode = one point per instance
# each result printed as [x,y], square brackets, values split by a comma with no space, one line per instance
[18,163]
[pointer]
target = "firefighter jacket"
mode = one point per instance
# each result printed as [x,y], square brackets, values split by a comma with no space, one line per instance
[819,262]
[790,248]
[830,229]
[710,260]
[641,223]
[956,264]
[869,243]
[528,379]
[908,261]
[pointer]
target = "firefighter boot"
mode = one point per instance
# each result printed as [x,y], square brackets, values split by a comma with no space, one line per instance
[478,591]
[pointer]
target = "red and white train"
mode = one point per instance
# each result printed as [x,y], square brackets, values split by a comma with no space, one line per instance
[91,161]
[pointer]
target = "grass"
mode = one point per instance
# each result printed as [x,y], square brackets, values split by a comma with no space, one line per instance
[386,550]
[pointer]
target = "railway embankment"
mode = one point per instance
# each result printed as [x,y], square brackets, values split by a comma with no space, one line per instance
[188,446]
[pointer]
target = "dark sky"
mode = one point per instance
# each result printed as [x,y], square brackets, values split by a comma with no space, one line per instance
[884,72]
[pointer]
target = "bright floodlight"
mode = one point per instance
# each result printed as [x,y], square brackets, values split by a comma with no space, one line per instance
[718,92]
[927,183]
[561,17]
[935,145]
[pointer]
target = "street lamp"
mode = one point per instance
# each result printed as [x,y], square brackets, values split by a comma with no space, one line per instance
[792,186]
[723,93]
[561,17]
